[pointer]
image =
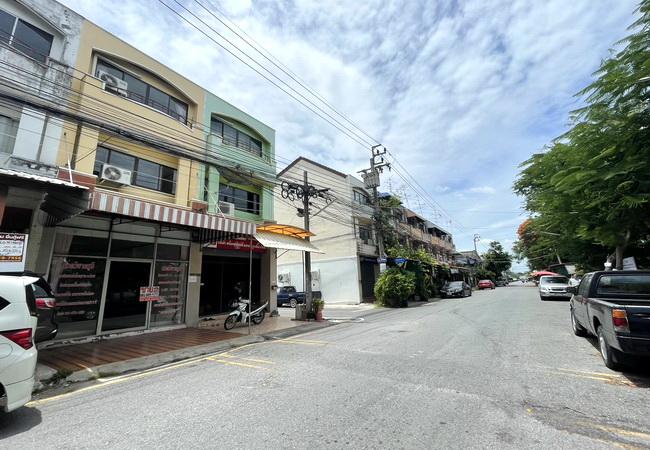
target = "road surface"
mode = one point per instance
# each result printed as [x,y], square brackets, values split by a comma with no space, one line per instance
[500,369]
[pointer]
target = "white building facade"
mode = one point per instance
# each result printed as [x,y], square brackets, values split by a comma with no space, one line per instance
[346,271]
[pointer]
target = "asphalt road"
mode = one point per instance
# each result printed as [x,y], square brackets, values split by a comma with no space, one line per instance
[497,370]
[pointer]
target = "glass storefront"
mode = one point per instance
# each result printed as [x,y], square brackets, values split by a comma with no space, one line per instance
[98,274]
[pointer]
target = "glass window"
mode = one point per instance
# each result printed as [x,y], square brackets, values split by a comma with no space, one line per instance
[229,135]
[178,110]
[256,146]
[122,160]
[7,22]
[243,141]
[101,158]
[171,252]
[624,285]
[68,243]
[216,127]
[77,283]
[32,41]
[243,200]
[131,249]
[8,129]
[583,289]
[167,179]
[171,277]
[137,89]
[158,99]
[148,174]
[105,67]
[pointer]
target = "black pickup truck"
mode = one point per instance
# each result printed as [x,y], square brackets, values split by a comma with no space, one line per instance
[615,307]
[288,295]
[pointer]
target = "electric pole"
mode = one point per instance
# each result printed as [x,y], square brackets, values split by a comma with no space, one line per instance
[305,192]
[477,238]
[371,181]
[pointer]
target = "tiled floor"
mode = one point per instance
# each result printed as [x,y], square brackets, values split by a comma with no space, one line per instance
[82,356]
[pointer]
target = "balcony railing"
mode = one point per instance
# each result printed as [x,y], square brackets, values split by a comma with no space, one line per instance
[367,247]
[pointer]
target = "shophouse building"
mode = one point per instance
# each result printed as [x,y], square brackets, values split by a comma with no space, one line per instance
[135,185]
[346,270]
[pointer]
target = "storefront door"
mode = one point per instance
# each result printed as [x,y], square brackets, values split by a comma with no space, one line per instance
[123,308]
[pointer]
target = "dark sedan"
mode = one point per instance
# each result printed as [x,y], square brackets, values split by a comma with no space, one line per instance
[456,289]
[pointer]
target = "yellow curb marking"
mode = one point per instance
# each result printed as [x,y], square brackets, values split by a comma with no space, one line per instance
[599,374]
[261,361]
[239,364]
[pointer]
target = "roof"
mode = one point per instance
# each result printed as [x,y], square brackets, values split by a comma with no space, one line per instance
[287,230]
[285,242]
[302,158]
[39,178]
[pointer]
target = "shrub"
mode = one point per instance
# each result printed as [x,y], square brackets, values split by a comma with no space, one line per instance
[394,287]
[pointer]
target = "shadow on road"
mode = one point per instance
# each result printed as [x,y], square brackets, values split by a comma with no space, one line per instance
[637,369]
[19,421]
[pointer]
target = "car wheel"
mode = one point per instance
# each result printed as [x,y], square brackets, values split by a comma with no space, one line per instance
[542,298]
[293,302]
[608,353]
[577,328]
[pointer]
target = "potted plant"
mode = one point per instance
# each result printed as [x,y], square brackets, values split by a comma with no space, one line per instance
[318,306]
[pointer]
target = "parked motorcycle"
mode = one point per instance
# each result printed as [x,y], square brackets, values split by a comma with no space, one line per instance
[240,314]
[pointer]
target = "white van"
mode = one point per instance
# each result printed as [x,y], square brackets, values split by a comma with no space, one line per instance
[18,353]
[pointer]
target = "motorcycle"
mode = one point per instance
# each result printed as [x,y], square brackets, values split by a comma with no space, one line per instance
[240,314]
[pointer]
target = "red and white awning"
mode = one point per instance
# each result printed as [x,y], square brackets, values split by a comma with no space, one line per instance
[120,204]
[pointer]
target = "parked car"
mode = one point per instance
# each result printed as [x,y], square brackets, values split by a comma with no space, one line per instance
[615,307]
[17,350]
[456,289]
[485,284]
[288,295]
[553,286]
[45,306]
[501,282]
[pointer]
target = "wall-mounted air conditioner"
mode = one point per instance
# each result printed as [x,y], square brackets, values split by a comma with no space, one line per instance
[112,83]
[115,174]
[227,208]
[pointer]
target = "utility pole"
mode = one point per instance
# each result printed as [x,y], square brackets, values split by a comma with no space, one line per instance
[305,192]
[371,180]
[305,208]
[477,238]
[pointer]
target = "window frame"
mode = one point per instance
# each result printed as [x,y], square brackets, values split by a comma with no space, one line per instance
[220,131]
[135,171]
[169,111]
[228,193]
[40,57]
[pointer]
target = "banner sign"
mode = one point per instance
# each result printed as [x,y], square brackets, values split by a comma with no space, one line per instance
[13,247]
[239,244]
[149,293]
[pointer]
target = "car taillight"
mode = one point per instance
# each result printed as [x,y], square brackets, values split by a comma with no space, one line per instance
[619,319]
[46,302]
[20,337]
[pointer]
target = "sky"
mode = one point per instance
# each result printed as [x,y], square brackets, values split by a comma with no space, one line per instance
[460,92]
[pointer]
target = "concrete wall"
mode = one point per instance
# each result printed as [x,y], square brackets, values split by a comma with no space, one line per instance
[339,278]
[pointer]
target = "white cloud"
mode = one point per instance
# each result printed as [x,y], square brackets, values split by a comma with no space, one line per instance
[461,92]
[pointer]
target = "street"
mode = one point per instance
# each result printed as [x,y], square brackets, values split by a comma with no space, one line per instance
[500,369]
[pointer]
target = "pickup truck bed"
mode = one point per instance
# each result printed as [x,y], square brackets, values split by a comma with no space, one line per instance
[615,307]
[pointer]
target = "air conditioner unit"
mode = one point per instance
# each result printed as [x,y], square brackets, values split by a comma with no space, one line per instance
[112,83]
[116,174]
[227,208]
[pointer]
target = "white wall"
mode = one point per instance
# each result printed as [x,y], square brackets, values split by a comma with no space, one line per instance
[339,279]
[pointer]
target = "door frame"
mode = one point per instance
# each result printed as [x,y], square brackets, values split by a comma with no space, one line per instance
[102,305]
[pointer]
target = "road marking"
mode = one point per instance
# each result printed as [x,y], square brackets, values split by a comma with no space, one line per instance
[599,374]
[590,377]
[261,361]
[623,432]
[235,363]
[300,342]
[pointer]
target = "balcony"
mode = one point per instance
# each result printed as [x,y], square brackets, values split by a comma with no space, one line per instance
[220,151]
[367,247]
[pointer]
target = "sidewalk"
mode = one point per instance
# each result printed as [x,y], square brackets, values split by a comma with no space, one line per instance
[109,357]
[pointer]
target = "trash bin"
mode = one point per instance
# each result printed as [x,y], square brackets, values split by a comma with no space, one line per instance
[301,311]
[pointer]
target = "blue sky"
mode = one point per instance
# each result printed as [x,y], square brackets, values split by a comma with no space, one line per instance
[460,91]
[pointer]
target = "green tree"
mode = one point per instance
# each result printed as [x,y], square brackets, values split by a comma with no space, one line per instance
[592,185]
[496,260]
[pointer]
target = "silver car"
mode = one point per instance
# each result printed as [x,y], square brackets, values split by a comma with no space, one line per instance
[554,286]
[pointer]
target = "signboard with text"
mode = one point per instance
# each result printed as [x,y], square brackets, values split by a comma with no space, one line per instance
[239,244]
[13,247]
[149,293]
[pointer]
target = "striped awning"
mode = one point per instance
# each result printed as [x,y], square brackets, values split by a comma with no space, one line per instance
[209,227]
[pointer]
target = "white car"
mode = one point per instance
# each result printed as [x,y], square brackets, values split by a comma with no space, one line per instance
[17,350]
[554,286]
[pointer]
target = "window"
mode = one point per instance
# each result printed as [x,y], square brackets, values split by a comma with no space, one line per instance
[146,174]
[243,200]
[141,92]
[365,234]
[236,138]
[8,129]
[25,37]
[361,198]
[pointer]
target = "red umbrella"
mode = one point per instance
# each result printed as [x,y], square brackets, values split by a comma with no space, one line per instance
[541,273]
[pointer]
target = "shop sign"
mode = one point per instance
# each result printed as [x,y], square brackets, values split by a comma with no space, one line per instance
[12,252]
[149,293]
[239,244]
